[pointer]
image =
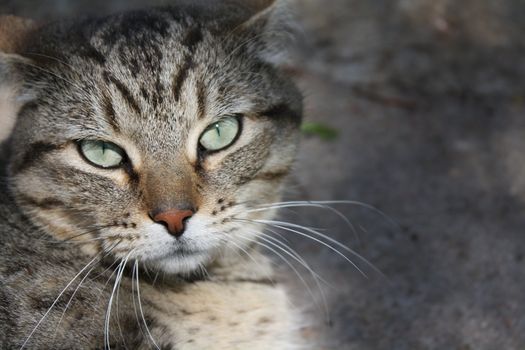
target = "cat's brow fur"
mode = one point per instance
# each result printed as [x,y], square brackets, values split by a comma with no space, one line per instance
[149,81]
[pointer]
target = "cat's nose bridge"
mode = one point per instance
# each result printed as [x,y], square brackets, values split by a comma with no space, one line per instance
[164,189]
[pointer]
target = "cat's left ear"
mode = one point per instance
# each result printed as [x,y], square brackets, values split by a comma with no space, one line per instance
[13,33]
[271,29]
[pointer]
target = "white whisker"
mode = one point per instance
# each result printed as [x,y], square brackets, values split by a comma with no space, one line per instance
[118,279]
[307,204]
[250,256]
[136,267]
[291,252]
[71,299]
[343,202]
[286,226]
[56,300]
[287,262]
[135,310]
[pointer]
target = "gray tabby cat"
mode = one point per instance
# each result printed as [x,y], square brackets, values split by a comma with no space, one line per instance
[145,149]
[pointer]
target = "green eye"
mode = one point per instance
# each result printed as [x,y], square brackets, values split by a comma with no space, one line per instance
[101,153]
[220,134]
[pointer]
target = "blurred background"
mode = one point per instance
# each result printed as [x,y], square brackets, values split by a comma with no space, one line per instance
[428,101]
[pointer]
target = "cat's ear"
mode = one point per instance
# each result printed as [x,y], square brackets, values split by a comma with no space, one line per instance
[13,32]
[271,29]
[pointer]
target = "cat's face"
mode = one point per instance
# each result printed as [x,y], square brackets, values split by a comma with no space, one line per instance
[151,135]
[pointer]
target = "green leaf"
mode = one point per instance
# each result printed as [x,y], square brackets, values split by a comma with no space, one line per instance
[323,131]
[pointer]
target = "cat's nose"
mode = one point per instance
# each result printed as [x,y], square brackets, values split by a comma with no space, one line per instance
[173,219]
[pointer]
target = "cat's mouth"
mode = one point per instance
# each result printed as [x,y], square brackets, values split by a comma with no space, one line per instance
[188,253]
[181,251]
[182,261]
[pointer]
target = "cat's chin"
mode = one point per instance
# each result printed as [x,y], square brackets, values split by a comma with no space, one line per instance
[186,263]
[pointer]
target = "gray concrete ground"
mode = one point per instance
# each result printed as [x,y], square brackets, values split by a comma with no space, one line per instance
[429,100]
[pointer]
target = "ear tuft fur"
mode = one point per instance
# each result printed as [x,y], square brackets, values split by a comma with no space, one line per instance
[13,31]
[273,28]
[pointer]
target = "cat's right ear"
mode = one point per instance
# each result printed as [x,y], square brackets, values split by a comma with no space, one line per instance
[13,33]
[270,29]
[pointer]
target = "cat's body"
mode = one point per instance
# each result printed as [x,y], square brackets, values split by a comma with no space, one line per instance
[161,244]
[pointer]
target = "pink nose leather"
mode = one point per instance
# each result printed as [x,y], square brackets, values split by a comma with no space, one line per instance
[174,220]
